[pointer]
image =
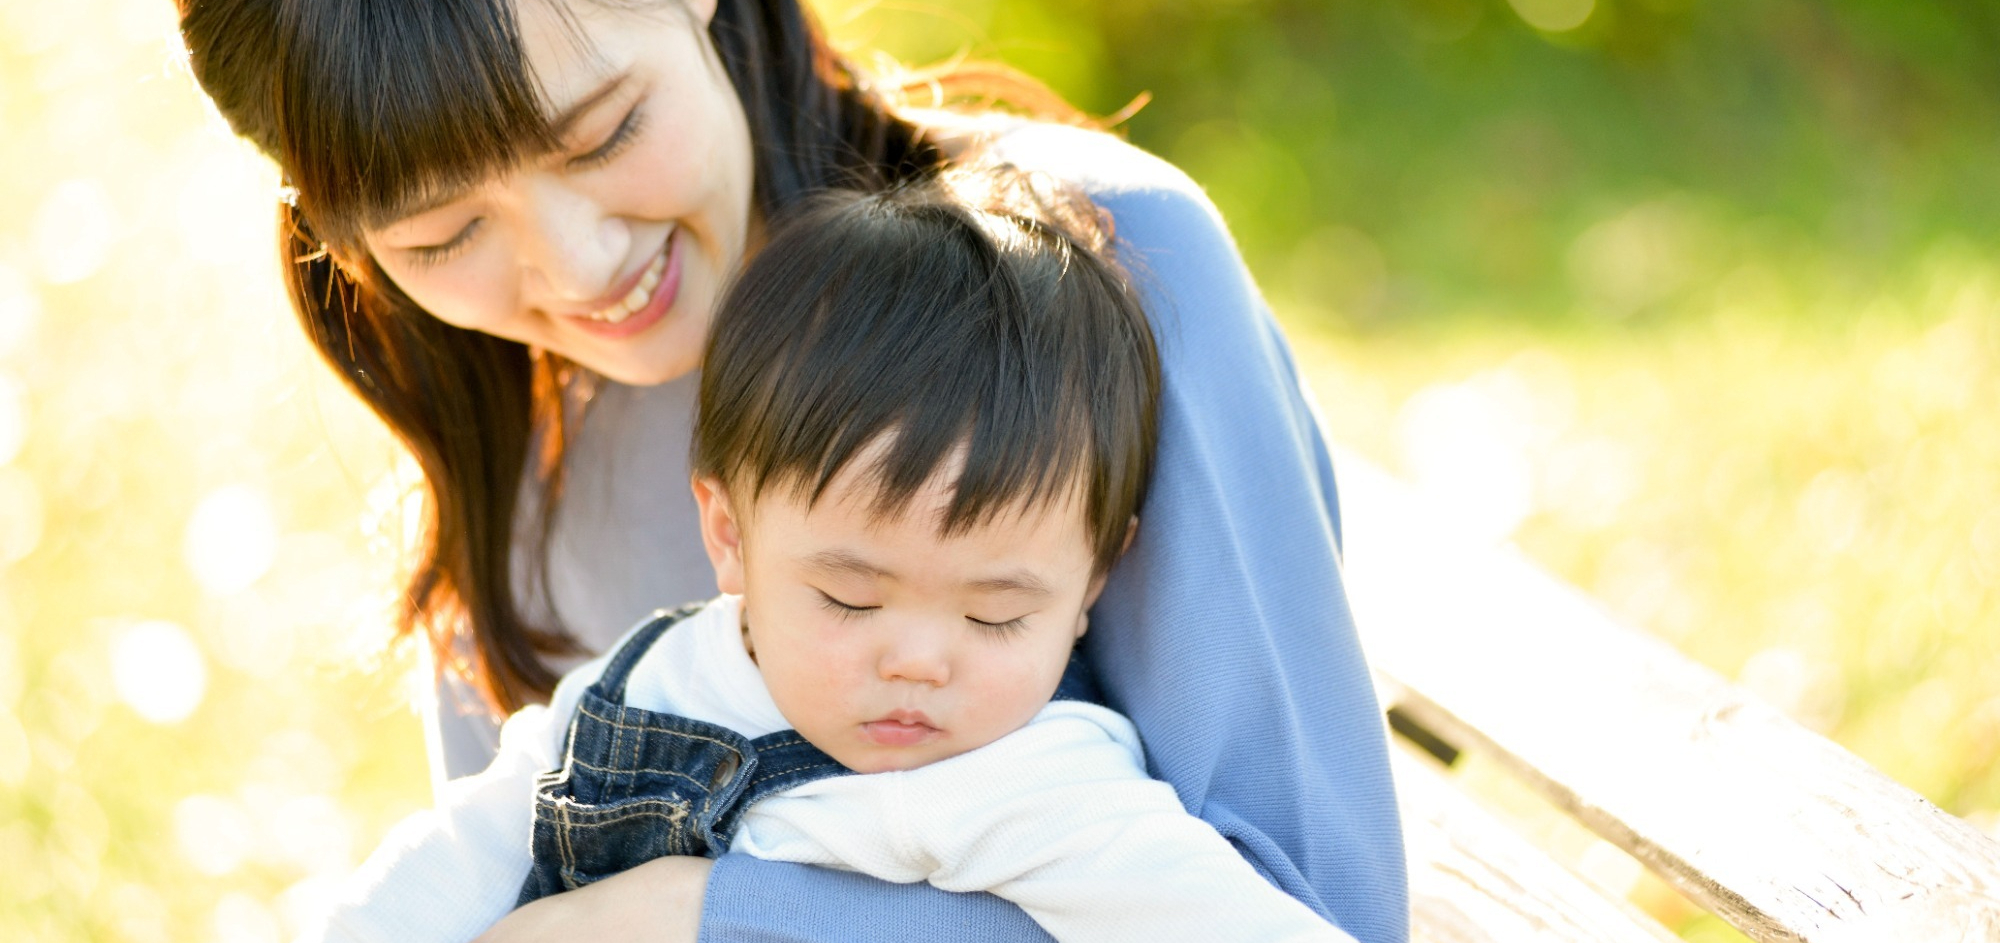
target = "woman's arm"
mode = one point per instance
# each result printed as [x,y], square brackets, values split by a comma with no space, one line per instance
[449,872]
[750,900]
[1225,633]
[659,902]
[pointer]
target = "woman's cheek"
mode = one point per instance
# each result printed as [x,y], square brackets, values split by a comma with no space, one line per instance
[445,297]
[670,181]
[472,292]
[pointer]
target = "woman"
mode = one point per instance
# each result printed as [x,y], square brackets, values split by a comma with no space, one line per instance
[509,227]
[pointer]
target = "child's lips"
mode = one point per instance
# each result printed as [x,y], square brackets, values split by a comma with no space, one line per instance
[901,729]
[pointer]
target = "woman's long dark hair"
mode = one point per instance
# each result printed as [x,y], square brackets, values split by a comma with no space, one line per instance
[369,106]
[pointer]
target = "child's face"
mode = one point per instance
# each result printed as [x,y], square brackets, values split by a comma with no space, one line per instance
[886,645]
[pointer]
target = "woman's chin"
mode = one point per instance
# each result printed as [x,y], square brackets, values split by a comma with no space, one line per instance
[643,373]
[664,353]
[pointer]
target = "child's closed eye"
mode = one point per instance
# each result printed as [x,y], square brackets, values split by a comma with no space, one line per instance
[842,609]
[1008,627]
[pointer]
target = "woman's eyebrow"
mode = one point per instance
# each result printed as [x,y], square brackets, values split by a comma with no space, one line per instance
[560,124]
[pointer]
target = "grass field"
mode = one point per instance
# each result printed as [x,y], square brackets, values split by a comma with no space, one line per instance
[1789,475]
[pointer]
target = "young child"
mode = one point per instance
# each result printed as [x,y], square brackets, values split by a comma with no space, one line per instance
[925,426]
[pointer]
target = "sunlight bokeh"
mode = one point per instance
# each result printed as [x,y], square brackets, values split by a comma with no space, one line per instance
[191,743]
[158,672]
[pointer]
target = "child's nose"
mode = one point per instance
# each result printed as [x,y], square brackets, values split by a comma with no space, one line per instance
[917,657]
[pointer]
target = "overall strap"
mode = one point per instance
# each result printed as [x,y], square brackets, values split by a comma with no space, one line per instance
[611,684]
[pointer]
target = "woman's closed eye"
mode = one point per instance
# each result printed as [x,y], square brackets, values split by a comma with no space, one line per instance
[443,251]
[620,138]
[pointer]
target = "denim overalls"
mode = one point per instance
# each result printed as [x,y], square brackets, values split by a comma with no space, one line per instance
[637,785]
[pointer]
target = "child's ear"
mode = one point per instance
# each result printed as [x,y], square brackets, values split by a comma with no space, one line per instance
[721,532]
[1097,582]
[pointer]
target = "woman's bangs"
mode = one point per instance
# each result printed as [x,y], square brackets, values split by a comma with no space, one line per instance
[408,104]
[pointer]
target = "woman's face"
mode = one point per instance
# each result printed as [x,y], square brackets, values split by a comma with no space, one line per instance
[612,251]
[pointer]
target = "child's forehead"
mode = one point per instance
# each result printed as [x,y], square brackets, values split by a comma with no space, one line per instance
[863,485]
[860,507]
[872,504]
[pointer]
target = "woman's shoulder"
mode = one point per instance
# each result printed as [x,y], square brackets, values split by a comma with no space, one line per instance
[1151,200]
[1101,163]
[1170,236]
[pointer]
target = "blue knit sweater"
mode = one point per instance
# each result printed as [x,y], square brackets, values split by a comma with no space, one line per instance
[1224,633]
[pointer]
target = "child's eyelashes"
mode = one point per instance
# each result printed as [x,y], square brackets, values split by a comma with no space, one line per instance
[1008,627]
[847,610]
[844,610]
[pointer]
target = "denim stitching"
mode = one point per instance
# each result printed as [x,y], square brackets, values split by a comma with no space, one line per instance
[628,726]
[643,769]
[563,836]
[637,735]
[670,809]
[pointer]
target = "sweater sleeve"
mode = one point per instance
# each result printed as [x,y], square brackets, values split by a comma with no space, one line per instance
[446,874]
[1224,634]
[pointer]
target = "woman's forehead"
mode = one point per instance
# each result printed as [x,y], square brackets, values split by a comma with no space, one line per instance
[576,47]
[572,49]
[469,96]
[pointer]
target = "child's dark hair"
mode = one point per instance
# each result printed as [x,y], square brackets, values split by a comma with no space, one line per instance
[978,310]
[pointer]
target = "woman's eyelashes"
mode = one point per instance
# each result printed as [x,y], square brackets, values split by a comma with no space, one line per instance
[443,251]
[620,139]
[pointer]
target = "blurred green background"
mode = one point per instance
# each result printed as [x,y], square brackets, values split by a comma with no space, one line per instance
[1695,301]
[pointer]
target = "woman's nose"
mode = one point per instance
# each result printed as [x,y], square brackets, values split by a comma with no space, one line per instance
[572,250]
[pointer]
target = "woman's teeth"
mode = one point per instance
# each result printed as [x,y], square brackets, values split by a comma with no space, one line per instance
[641,293]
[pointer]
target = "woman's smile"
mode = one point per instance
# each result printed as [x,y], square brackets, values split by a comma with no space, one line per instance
[641,299]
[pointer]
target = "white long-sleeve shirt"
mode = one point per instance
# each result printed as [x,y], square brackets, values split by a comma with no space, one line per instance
[1058,817]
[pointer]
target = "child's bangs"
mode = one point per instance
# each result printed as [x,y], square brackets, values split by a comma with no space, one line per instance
[408,104]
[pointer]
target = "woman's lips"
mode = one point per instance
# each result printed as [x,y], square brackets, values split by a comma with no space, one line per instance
[646,302]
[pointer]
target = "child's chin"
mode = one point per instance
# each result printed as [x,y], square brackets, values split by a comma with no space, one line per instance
[891,761]
[883,764]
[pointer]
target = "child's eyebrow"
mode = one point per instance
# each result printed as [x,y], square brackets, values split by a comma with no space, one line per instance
[1021,582]
[845,561]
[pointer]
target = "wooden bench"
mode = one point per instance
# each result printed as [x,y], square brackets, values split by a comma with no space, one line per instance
[1776,830]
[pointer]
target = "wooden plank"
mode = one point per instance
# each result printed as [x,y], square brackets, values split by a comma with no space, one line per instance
[1472,880]
[1775,829]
